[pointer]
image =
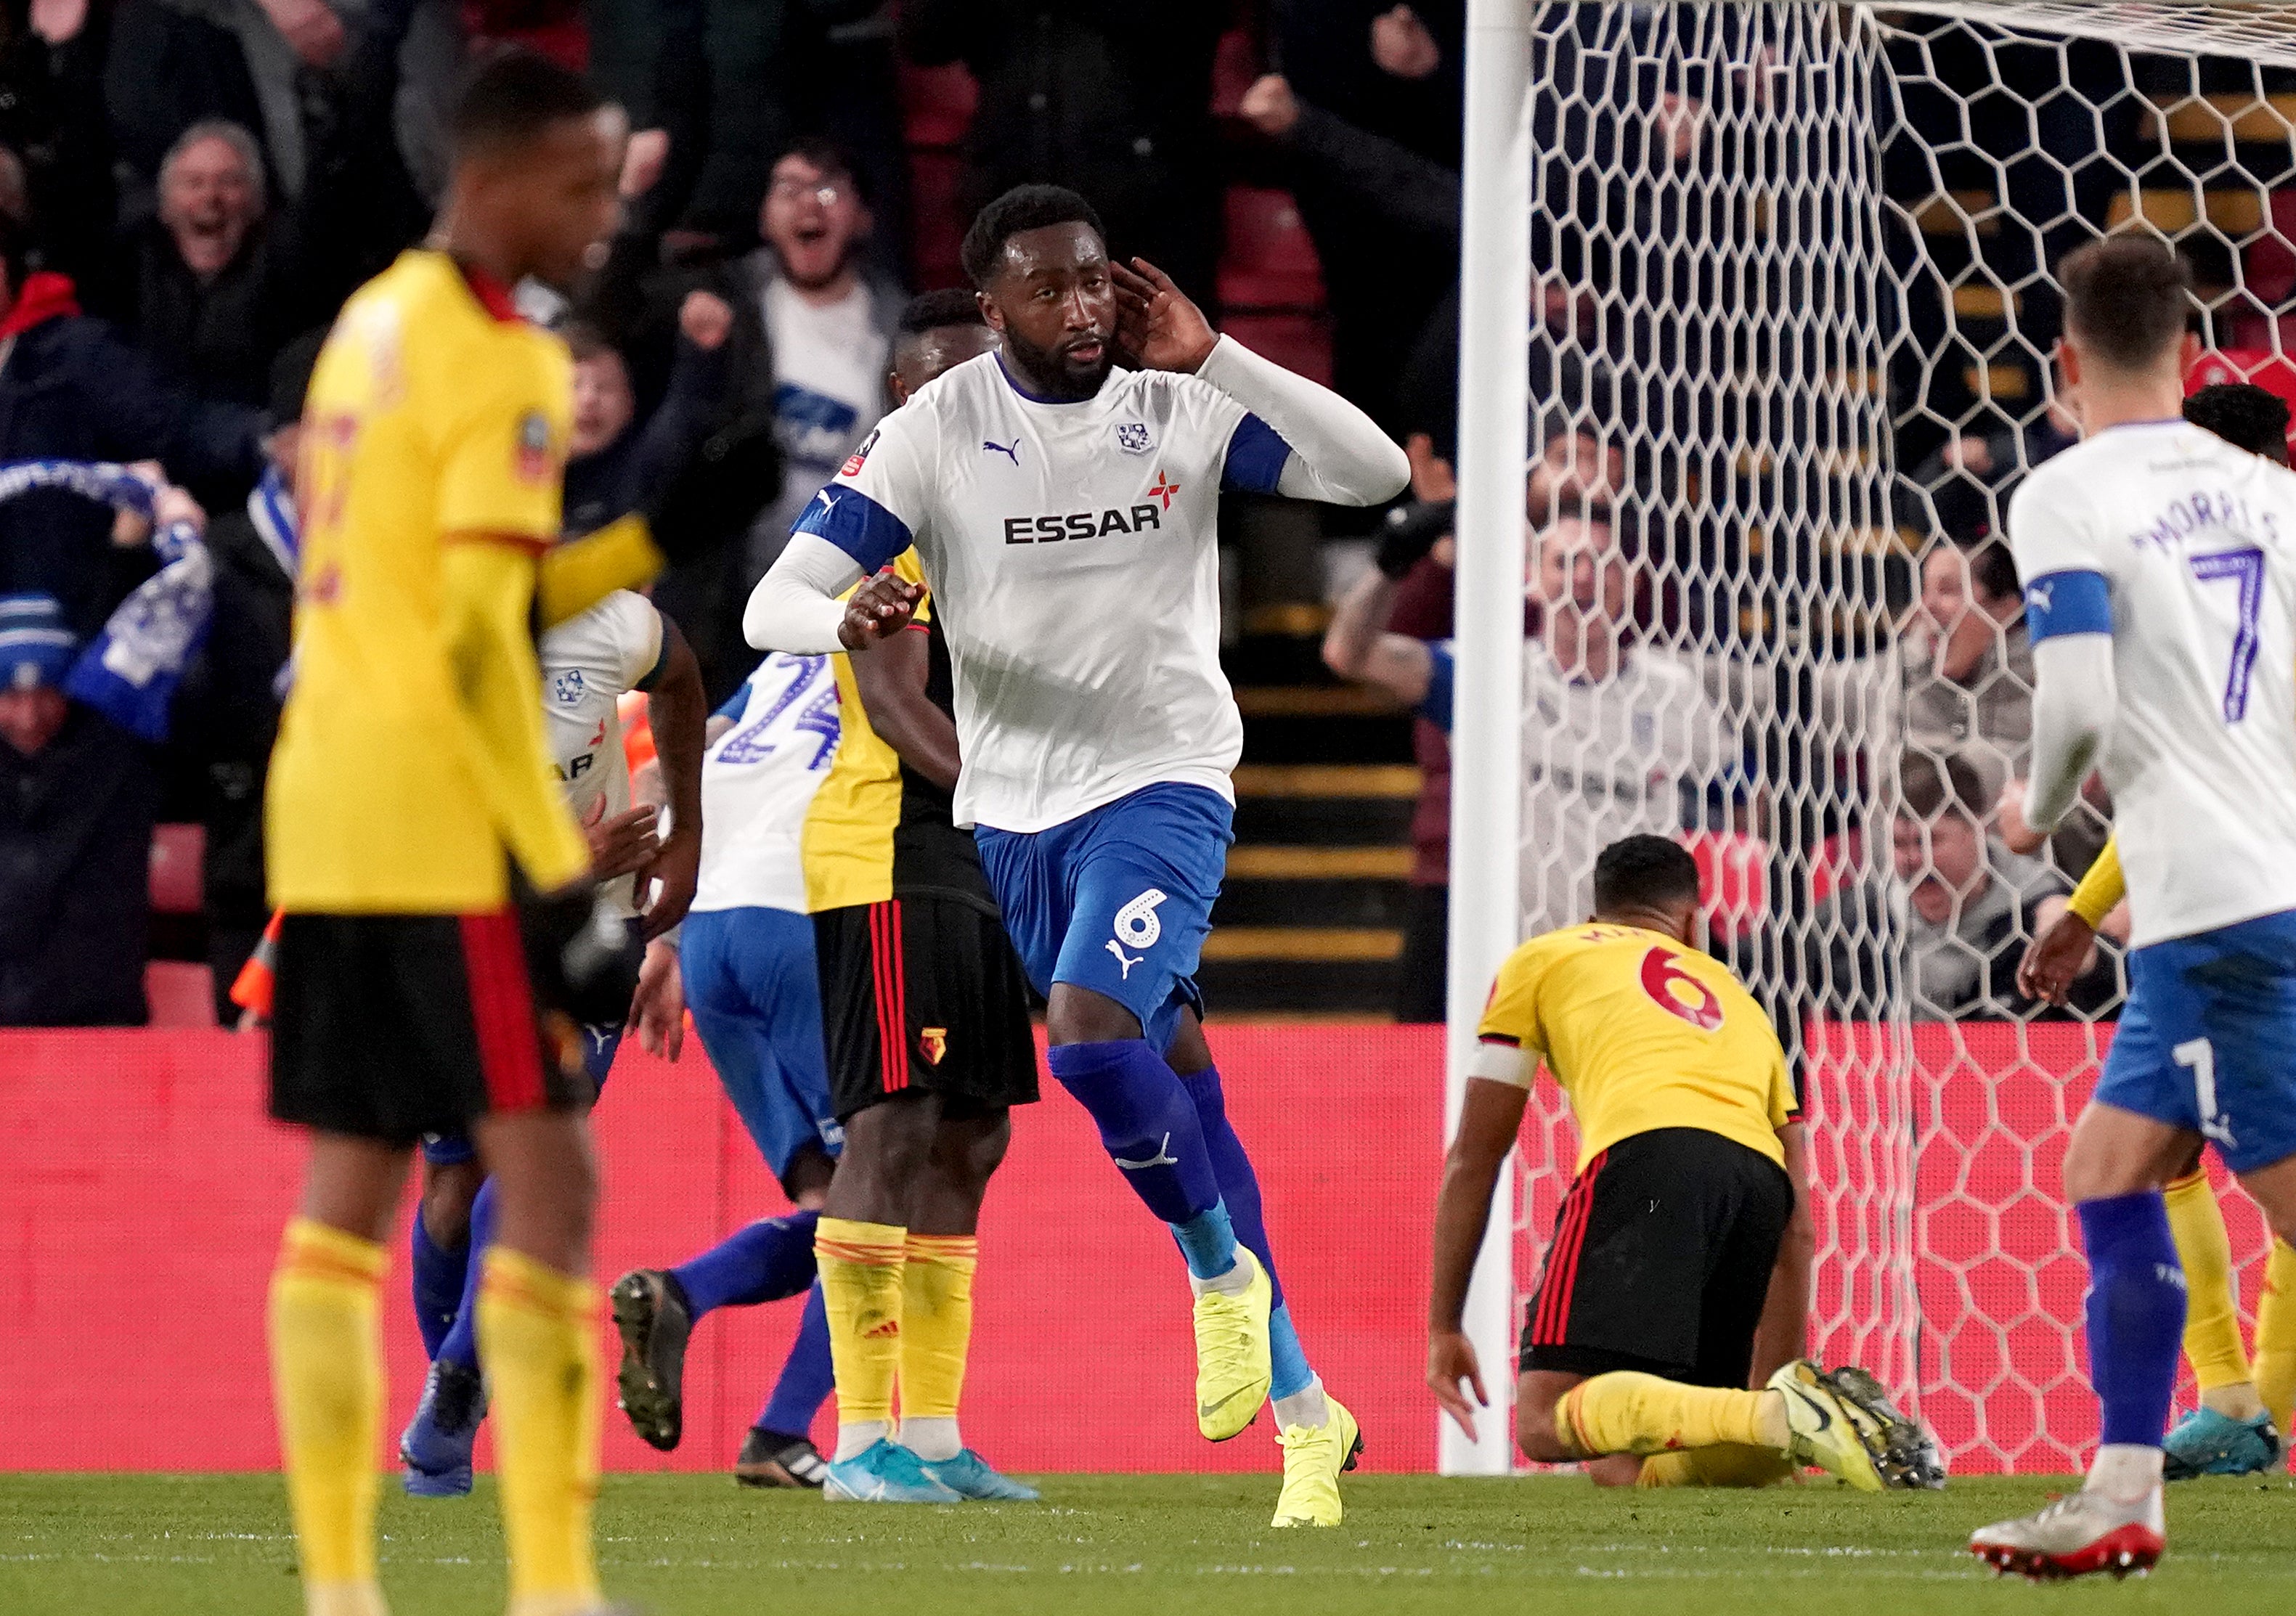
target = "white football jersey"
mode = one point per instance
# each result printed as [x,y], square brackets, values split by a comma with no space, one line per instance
[2185,547]
[758,783]
[588,662]
[1072,556]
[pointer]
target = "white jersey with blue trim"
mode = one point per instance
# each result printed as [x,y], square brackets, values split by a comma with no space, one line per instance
[1072,555]
[759,781]
[588,663]
[2183,549]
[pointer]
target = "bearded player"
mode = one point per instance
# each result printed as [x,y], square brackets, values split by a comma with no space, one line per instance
[1065,515]
[2160,569]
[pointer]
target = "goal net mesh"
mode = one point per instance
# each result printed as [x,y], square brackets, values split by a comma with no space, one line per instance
[1792,316]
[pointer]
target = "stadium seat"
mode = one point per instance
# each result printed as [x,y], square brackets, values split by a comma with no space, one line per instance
[1734,879]
[937,106]
[2268,263]
[1299,342]
[178,852]
[181,994]
[1269,261]
[1235,64]
[937,218]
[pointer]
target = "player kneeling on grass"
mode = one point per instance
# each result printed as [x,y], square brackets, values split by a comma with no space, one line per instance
[1682,1250]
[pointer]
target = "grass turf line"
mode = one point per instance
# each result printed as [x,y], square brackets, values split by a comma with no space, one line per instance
[1160,1545]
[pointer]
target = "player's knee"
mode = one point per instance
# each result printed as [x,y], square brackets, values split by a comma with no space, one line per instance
[1535,1433]
[448,1195]
[985,1145]
[806,1182]
[1079,1015]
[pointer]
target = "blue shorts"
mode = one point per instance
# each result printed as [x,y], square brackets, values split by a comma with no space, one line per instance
[756,997]
[1118,900]
[598,1046]
[2208,1042]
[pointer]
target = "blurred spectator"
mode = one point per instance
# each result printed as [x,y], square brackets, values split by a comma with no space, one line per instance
[77,800]
[824,340]
[1969,479]
[215,278]
[1970,905]
[615,464]
[1110,99]
[726,79]
[1969,664]
[1422,610]
[1615,739]
[70,390]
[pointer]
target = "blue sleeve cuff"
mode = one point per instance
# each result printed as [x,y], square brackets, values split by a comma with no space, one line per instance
[1256,457]
[2067,602]
[858,525]
[1435,706]
[735,704]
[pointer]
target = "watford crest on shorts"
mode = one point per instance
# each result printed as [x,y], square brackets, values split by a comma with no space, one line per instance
[935,1040]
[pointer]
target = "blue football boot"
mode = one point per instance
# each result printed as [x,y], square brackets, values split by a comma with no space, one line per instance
[2206,1443]
[435,1447]
[969,1476]
[885,1472]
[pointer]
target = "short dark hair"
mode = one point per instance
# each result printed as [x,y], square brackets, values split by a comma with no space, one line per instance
[1021,208]
[1993,570]
[584,340]
[1644,873]
[2126,299]
[1930,784]
[2244,415]
[513,96]
[931,310]
[829,157]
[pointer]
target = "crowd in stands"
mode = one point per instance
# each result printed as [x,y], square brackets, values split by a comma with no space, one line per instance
[189,188]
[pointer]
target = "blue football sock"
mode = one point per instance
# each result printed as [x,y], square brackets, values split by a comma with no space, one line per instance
[807,1378]
[461,1343]
[437,1273]
[1208,1241]
[2136,1313]
[765,1261]
[1239,1185]
[1148,1126]
[1286,1357]
[1240,1191]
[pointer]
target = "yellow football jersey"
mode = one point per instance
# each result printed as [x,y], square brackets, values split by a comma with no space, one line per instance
[849,831]
[405,777]
[1642,1033]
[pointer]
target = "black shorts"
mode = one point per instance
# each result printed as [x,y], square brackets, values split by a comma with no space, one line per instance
[923,993]
[389,1027]
[1662,1260]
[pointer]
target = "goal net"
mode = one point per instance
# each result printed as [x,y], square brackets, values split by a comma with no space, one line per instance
[1792,317]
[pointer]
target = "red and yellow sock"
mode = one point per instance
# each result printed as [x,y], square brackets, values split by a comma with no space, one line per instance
[936,1335]
[2276,1336]
[1625,1411]
[326,1373]
[538,1338]
[862,1283]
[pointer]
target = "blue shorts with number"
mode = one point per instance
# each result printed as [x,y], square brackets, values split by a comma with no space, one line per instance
[2208,1040]
[755,993]
[1118,900]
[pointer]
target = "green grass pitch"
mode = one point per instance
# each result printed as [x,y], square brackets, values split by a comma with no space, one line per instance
[1161,1545]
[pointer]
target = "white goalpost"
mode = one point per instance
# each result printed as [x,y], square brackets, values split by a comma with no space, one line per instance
[1780,274]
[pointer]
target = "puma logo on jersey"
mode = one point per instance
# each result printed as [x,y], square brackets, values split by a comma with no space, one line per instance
[1080,524]
[1011,453]
[1123,959]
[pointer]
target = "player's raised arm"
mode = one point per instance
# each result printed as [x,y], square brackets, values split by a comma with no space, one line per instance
[1302,440]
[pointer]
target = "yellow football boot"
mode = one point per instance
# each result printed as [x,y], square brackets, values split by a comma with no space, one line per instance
[1233,1373]
[1827,1431]
[1313,1462]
